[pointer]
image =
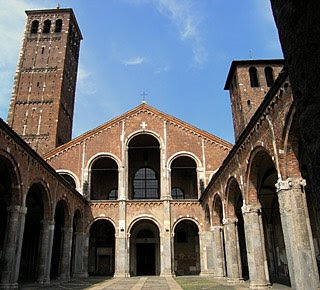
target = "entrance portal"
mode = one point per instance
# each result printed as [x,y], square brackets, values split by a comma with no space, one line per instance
[146,259]
[144,249]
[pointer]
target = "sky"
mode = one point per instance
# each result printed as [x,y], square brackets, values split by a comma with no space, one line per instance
[177,51]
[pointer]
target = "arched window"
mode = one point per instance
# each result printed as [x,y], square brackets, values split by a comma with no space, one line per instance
[177,193]
[69,179]
[113,194]
[268,71]
[145,184]
[254,81]
[46,26]
[184,178]
[34,26]
[58,27]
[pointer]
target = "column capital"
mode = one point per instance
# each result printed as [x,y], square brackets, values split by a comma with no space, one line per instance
[216,227]
[17,208]
[250,208]
[290,183]
[230,220]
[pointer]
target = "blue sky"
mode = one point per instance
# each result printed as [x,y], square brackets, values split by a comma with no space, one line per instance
[178,51]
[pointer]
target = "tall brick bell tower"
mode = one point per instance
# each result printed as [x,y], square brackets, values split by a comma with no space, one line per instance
[42,103]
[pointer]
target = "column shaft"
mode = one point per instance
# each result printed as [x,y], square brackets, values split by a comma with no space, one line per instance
[258,269]
[297,234]
[218,252]
[66,254]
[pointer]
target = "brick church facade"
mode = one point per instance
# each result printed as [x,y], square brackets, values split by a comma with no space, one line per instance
[146,193]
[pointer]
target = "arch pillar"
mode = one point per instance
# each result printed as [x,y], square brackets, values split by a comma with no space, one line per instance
[232,250]
[257,260]
[165,243]
[218,252]
[80,255]
[206,253]
[85,255]
[46,242]
[297,233]
[13,246]
[66,253]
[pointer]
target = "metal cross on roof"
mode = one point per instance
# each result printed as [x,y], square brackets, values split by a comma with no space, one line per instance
[143,95]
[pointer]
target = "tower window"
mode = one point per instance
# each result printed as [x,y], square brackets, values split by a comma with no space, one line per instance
[46,26]
[254,81]
[34,26]
[58,27]
[268,71]
[42,50]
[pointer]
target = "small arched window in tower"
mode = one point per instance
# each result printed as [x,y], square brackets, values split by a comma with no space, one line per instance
[249,104]
[254,81]
[34,26]
[46,26]
[268,71]
[42,50]
[58,27]
[177,193]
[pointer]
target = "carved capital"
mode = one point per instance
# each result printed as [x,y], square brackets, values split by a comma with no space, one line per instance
[229,221]
[250,208]
[290,183]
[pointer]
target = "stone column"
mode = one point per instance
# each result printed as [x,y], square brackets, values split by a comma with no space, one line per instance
[66,254]
[256,250]
[85,255]
[297,234]
[218,252]
[234,271]
[206,253]
[13,246]
[46,239]
[79,255]
[165,243]
[120,243]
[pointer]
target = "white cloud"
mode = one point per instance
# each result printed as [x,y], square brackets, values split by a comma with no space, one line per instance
[134,60]
[185,15]
[162,69]
[85,82]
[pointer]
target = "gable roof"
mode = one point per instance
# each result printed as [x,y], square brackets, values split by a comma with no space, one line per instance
[141,107]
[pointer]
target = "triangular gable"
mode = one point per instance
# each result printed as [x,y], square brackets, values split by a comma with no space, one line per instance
[141,107]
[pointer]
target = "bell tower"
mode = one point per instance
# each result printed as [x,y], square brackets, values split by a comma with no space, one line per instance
[42,102]
[248,82]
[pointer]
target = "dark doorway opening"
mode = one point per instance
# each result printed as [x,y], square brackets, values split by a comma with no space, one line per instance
[146,259]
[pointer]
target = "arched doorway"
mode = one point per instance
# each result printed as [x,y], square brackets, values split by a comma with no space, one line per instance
[263,177]
[184,178]
[144,167]
[144,249]
[29,264]
[61,217]
[236,240]
[104,179]
[186,248]
[102,248]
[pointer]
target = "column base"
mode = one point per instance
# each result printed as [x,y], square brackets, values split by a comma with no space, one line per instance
[235,280]
[80,275]
[121,275]
[206,274]
[168,275]
[7,286]
[219,277]
[259,285]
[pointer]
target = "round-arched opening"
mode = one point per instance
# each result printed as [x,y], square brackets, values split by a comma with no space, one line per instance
[69,179]
[101,260]
[186,248]
[8,180]
[235,202]
[262,180]
[254,80]
[34,27]
[268,72]
[75,247]
[144,249]
[58,26]
[104,179]
[60,218]
[184,178]
[144,167]
[46,26]
[29,264]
